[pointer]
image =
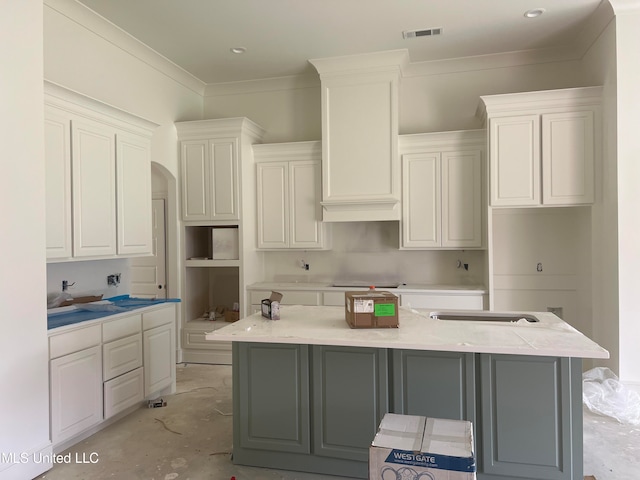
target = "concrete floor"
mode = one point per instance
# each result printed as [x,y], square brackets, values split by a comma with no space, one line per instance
[191,438]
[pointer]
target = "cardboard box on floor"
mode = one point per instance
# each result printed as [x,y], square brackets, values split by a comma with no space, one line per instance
[371,309]
[411,447]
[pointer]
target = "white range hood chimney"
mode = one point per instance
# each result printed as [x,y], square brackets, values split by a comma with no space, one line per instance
[360,164]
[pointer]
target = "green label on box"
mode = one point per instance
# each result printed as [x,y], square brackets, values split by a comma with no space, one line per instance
[384,310]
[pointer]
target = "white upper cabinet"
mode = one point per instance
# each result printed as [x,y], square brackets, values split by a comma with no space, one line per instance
[289,192]
[94,189]
[210,152]
[133,175]
[360,164]
[442,199]
[543,146]
[58,182]
[98,179]
[210,179]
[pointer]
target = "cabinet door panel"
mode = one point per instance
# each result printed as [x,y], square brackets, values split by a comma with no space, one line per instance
[94,189]
[76,393]
[57,131]
[224,179]
[416,375]
[274,397]
[568,158]
[159,358]
[461,199]
[273,201]
[305,213]
[515,160]
[133,171]
[195,180]
[421,217]
[350,398]
[526,417]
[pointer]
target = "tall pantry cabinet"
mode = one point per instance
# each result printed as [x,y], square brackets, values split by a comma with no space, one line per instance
[218,234]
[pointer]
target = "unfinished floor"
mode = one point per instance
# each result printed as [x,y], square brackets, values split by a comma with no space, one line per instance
[191,438]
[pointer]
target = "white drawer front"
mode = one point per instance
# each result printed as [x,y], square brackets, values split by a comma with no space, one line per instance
[122,327]
[288,297]
[446,302]
[158,317]
[335,299]
[74,341]
[123,392]
[121,356]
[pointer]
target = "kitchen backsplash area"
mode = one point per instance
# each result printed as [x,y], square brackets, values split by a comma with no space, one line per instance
[88,278]
[368,251]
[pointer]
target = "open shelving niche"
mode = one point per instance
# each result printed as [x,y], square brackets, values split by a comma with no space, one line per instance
[209,282]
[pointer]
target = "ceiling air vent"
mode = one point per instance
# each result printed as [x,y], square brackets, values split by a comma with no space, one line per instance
[427,32]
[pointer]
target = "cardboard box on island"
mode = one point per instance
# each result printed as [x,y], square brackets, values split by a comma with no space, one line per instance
[371,309]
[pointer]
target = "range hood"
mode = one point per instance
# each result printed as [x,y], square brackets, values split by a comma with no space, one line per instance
[360,164]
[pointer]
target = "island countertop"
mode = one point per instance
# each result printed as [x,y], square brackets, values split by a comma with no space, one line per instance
[324,325]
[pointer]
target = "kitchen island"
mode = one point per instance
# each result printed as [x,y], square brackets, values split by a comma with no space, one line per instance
[309,392]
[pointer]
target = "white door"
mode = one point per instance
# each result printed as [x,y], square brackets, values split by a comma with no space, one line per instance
[461,199]
[94,189]
[304,205]
[273,201]
[133,177]
[148,274]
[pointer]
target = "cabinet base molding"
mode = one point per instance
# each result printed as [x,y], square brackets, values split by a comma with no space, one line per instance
[68,443]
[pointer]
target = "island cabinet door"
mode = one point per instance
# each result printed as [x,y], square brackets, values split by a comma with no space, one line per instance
[434,384]
[531,417]
[273,392]
[350,397]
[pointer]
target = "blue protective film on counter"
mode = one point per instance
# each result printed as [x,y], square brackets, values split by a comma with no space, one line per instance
[119,304]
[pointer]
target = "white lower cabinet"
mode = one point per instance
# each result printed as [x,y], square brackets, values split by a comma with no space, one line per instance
[105,368]
[442,301]
[159,347]
[76,393]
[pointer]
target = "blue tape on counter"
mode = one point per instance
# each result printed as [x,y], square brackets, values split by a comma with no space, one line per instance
[430,460]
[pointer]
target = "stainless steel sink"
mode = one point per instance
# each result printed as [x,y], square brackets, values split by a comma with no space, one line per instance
[483,316]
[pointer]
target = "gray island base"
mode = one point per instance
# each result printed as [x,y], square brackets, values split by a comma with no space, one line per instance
[309,392]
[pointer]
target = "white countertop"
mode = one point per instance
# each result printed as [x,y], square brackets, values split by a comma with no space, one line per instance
[310,325]
[404,288]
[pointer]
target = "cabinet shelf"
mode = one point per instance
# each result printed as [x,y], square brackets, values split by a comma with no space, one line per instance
[211,263]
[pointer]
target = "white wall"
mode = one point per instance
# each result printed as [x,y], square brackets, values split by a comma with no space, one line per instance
[368,251]
[628,155]
[600,69]
[24,403]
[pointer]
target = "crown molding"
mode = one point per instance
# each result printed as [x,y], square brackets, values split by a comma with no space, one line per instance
[79,104]
[265,152]
[218,128]
[98,25]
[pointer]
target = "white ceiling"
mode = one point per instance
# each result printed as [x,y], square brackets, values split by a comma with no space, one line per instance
[280,36]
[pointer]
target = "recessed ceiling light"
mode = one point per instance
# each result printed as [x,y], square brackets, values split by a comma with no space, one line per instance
[238,50]
[536,12]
